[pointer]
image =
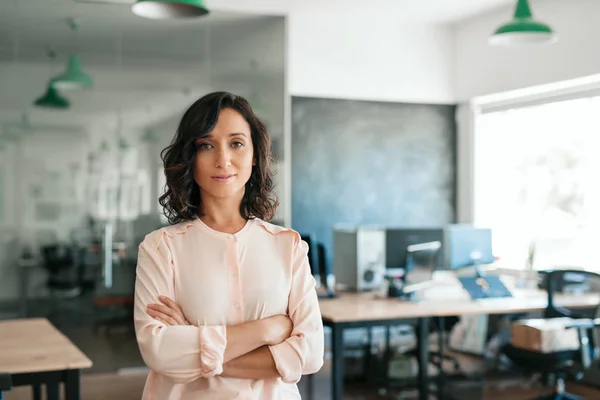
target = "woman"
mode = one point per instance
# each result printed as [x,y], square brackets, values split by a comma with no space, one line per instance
[225,303]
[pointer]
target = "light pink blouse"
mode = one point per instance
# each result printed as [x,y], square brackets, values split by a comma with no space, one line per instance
[220,279]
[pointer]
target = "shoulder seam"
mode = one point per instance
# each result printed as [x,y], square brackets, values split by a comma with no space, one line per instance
[276,229]
[177,229]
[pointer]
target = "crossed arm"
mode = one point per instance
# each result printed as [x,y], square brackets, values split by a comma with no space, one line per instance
[247,354]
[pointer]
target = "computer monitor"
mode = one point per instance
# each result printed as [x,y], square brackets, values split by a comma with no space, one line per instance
[399,239]
[468,246]
[421,260]
[327,277]
[318,264]
[313,257]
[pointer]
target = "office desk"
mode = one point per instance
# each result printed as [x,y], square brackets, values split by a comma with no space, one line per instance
[358,310]
[34,352]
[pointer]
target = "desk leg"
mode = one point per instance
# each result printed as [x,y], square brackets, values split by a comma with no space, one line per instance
[387,356]
[73,385]
[422,345]
[337,362]
[367,360]
[441,379]
[52,390]
[36,391]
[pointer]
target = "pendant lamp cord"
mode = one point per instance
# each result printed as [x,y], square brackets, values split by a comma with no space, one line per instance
[51,53]
[72,23]
[17,33]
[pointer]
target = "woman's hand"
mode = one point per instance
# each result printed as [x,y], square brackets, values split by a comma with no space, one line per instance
[168,313]
[276,329]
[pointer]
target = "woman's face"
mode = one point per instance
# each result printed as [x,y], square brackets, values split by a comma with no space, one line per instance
[225,157]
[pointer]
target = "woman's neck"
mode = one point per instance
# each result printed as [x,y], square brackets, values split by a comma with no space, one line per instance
[222,214]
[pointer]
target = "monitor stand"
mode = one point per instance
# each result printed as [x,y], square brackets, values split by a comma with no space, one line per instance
[409,292]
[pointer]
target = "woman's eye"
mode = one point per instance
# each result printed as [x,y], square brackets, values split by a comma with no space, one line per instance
[237,144]
[203,146]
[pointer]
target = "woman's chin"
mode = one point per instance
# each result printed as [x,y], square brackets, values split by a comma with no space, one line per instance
[225,192]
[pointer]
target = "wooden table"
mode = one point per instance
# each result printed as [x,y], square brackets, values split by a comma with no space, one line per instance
[359,310]
[34,352]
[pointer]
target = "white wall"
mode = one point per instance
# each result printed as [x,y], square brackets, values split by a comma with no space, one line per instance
[382,50]
[482,69]
[368,55]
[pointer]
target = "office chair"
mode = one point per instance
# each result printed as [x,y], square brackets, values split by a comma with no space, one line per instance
[61,264]
[443,326]
[59,261]
[562,365]
[5,383]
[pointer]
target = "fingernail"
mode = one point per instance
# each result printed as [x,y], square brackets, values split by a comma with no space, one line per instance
[161,297]
[150,306]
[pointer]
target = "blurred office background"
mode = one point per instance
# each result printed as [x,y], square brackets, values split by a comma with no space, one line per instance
[391,113]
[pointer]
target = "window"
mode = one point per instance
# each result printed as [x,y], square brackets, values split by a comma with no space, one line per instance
[536,183]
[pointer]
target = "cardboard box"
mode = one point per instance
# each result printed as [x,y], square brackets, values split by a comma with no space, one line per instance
[544,335]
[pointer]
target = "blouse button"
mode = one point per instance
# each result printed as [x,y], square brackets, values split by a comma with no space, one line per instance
[230,236]
[233,273]
[236,305]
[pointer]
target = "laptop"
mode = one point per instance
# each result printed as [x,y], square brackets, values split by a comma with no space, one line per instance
[486,287]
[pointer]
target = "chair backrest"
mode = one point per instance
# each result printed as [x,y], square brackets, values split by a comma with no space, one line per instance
[56,257]
[575,280]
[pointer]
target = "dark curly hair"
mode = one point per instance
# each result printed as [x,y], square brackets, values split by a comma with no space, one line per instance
[181,200]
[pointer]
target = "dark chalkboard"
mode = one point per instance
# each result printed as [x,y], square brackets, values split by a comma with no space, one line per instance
[364,162]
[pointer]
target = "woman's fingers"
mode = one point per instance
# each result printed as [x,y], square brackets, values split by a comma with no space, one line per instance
[174,306]
[169,311]
[170,303]
[164,318]
[164,310]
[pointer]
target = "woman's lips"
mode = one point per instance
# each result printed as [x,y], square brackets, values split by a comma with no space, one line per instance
[223,178]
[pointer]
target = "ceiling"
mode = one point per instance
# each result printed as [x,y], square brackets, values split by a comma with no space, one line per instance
[114,45]
[28,27]
[432,11]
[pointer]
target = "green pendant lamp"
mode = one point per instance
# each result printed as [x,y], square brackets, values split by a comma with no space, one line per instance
[73,77]
[167,9]
[523,29]
[52,99]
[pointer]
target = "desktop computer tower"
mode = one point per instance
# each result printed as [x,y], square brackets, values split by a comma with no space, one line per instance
[359,257]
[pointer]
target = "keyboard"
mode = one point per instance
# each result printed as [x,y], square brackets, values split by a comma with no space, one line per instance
[486,287]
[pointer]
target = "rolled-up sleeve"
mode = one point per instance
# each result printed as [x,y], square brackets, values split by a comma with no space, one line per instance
[182,353]
[302,353]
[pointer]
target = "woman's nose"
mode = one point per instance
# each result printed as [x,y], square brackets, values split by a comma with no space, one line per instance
[223,158]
